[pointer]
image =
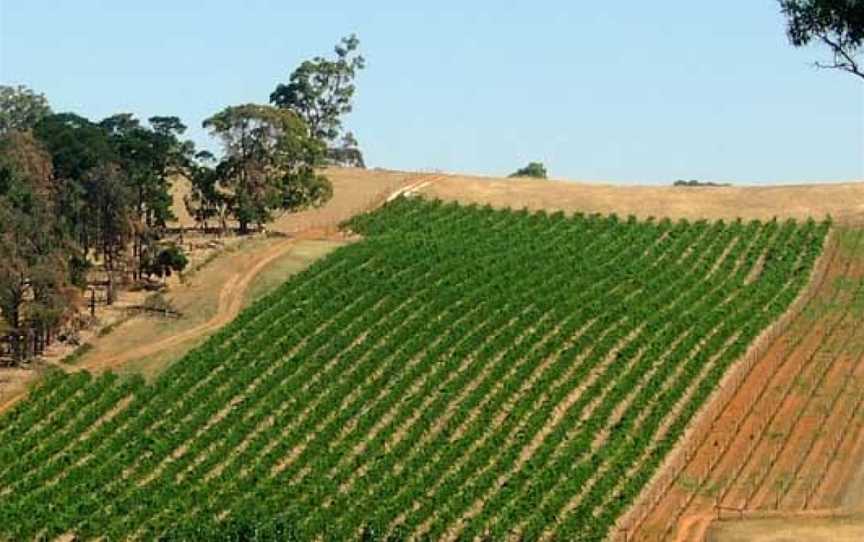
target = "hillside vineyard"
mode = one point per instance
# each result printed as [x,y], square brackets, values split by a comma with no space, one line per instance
[460,371]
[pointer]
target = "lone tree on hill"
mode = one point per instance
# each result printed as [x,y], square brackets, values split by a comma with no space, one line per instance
[321,91]
[839,24]
[534,170]
[269,163]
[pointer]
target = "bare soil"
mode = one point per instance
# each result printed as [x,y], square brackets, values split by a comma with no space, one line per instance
[354,191]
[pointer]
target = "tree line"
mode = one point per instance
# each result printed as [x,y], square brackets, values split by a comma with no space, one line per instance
[84,201]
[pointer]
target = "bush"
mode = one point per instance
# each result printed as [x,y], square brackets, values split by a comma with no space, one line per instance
[164,261]
[697,183]
[535,170]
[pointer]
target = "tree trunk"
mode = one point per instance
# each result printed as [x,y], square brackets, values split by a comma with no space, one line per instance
[109,271]
[15,320]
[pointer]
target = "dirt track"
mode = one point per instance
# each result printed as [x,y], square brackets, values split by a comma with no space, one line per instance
[354,192]
[230,303]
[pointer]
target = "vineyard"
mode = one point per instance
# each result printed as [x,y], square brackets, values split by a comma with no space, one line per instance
[460,372]
[784,437]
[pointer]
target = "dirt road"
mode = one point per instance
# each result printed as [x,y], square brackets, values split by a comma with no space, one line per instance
[359,193]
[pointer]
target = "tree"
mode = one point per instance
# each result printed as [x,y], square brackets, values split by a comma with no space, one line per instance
[163,261]
[22,152]
[77,147]
[72,193]
[839,24]
[113,178]
[205,201]
[21,108]
[320,90]
[347,154]
[36,260]
[534,170]
[269,163]
[148,158]
[111,213]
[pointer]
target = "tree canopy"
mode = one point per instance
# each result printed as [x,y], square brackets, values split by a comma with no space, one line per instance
[21,108]
[838,24]
[534,170]
[268,165]
[321,92]
[76,195]
[36,267]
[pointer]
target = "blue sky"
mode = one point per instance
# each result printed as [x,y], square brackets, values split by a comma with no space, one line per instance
[637,92]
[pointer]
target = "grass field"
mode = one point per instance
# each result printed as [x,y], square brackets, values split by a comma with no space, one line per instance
[461,371]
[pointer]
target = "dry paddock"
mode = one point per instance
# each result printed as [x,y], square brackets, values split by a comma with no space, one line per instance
[844,202]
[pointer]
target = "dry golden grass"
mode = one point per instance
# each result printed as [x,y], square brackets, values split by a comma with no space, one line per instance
[359,189]
[354,190]
[786,529]
[843,201]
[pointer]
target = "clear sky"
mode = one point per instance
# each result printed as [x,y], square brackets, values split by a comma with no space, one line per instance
[640,92]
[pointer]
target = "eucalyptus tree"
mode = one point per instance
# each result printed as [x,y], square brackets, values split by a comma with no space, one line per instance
[21,108]
[77,146]
[37,261]
[321,91]
[148,158]
[206,201]
[268,164]
[837,24]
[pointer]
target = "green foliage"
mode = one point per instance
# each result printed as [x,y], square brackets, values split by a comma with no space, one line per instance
[163,261]
[35,256]
[837,24]
[114,180]
[148,157]
[347,154]
[76,144]
[269,164]
[534,170]
[395,385]
[21,108]
[247,528]
[74,192]
[321,90]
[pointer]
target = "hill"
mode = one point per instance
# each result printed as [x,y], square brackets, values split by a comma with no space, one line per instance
[844,202]
[460,371]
